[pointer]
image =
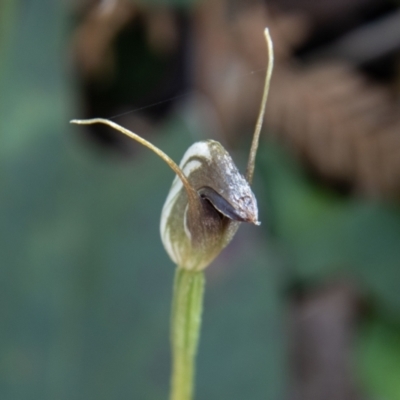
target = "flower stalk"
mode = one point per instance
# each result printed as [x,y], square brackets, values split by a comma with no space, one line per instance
[187,306]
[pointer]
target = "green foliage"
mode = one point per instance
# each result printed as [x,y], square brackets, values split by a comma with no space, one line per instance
[378,357]
[328,235]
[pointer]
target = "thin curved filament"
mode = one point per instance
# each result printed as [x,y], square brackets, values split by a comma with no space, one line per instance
[192,194]
[257,131]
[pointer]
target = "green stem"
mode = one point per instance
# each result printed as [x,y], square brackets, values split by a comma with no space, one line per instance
[187,308]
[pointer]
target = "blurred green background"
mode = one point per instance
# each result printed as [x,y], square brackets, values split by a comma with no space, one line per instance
[85,283]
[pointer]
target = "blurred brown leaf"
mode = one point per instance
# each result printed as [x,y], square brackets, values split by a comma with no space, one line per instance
[93,39]
[340,124]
